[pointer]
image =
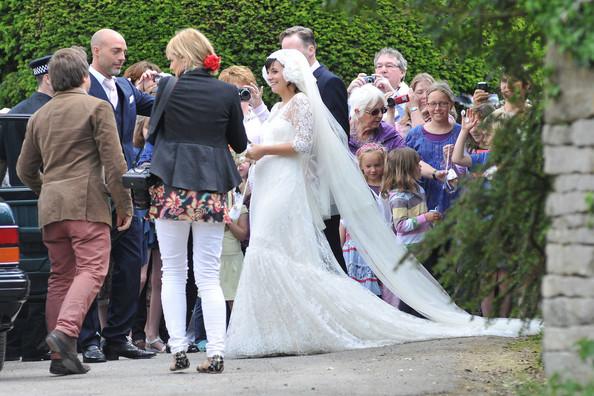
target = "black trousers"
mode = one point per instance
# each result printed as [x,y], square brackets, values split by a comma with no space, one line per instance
[126,251]
[333,237]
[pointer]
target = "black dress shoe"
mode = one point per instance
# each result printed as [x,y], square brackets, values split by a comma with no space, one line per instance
[113,351]
[93,354]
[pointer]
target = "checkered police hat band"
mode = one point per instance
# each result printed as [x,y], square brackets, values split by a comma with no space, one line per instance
[39,70]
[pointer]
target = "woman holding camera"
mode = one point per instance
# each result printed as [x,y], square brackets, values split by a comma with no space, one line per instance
[201,118]
[367,107]
[254,110]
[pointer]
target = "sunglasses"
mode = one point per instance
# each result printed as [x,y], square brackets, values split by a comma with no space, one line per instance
[376,112]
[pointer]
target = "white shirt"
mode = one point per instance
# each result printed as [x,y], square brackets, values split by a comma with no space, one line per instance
[402,90]
[100,78]
[315,66]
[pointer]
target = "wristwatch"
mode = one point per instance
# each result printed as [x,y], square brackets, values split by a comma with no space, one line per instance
[433,174]
[414,108]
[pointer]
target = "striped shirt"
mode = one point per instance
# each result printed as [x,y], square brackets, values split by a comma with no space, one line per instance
[408,215]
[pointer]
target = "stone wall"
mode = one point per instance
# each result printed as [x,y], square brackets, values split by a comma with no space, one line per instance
[568,287]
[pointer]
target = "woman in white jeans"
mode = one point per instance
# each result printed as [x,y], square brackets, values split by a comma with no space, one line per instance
[201,119]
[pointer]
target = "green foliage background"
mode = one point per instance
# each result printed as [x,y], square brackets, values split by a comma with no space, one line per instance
[242,31]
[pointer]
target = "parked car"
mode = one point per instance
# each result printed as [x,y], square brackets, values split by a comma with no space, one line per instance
[14,284]
[27,341]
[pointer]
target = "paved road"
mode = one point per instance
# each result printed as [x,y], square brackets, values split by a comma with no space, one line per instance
[432,367]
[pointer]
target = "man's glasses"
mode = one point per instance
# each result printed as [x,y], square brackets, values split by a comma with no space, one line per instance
[377,111]
[386,65]
[434,105]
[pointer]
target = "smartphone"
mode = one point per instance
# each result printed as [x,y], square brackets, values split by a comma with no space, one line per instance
[483,86]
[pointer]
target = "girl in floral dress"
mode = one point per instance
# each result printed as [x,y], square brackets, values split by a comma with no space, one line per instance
[372,157]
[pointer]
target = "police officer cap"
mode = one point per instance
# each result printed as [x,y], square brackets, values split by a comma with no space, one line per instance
[39,65]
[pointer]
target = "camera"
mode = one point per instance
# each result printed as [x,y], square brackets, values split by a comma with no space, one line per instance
[396,100]
[158,76]
[483,86]
[369,79]
[244,94]
[138,180]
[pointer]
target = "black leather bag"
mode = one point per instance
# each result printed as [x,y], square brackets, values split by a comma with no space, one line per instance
[139,178]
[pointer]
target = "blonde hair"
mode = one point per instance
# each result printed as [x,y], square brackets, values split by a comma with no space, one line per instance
[370,148]
[405,120]
[241,75]
[444,88]
[401,167]
[190,47]
[420,78]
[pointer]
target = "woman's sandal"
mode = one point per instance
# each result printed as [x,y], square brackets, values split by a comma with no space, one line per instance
[157,345]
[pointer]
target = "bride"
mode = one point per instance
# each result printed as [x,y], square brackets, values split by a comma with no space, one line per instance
[293,297]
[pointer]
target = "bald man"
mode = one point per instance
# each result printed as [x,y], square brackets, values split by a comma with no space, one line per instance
[109,51]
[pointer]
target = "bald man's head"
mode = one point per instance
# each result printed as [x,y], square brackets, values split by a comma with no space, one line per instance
[109,52]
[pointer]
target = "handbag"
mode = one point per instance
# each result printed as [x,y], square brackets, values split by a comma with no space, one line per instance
[139,178]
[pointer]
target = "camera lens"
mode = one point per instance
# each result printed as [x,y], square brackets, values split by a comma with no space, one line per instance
[244,94]
[369,79]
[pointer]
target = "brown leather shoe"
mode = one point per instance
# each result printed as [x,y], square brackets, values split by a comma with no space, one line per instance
[57,367]
[66,347]
[212,365]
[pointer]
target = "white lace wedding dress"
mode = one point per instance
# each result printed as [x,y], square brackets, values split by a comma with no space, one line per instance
[293,298]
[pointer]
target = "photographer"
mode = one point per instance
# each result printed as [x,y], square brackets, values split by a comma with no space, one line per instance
[390,70]
[254,110]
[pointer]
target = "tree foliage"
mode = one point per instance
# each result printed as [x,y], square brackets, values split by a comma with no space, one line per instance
[242,31]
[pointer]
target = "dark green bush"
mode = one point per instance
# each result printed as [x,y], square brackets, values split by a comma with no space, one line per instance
[243,32]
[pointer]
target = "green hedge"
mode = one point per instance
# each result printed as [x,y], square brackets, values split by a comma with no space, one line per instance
[242,31]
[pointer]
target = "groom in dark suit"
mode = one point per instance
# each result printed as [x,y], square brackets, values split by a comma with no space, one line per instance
[334,95]
[109,53]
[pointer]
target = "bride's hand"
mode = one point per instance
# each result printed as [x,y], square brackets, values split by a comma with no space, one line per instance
[255,152]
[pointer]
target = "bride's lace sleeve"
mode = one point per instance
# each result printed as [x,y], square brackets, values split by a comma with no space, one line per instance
[299,115]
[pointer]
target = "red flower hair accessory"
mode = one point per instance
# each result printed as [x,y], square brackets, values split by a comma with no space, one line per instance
[212,62]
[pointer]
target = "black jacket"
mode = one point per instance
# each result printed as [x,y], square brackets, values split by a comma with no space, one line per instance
[201,119]
[334,95]
[12,133]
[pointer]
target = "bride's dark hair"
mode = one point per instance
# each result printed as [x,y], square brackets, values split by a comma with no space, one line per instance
[268,65]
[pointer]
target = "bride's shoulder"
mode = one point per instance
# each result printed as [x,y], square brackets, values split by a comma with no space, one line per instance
[300,99]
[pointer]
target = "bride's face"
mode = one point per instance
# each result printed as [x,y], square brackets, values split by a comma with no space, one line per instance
[277,81]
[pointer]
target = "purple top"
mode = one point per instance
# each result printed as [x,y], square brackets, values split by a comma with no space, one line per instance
[386,135]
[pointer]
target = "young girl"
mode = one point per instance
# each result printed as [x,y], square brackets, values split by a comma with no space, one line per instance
[410,218]
[372,157]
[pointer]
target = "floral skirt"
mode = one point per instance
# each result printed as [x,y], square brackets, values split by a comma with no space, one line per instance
[358,269]
[171,203]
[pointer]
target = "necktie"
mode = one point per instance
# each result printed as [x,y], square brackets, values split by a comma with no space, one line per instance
[109,83]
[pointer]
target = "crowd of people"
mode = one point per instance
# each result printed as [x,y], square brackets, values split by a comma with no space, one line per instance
[275,210]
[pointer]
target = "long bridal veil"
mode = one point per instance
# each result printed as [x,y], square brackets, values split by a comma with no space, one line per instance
[336,179]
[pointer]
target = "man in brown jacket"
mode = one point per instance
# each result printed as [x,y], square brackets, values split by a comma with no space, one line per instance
[72,158]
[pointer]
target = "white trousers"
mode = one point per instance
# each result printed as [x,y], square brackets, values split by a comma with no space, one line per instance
[173,244]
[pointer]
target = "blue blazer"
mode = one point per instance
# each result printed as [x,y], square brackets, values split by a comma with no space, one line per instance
[334,95]
[131,102]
